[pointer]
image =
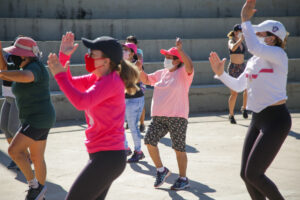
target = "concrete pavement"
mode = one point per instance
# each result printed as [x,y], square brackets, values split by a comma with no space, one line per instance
[214,151]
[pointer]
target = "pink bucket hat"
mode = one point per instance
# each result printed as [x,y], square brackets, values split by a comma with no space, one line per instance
[131,46]
[24,46]
[172,52]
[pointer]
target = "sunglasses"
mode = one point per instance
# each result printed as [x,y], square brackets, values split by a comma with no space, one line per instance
[90,53]
[269,33]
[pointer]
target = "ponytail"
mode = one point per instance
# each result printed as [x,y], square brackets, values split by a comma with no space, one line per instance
[230,34]
[129,73]
[283,45]
[279,42]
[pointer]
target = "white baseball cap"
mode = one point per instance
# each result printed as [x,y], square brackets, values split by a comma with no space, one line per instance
[272,26]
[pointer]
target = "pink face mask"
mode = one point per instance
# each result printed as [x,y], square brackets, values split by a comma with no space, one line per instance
[90,63]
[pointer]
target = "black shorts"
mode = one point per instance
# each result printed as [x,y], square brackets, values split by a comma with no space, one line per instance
[235,70]
[34,133]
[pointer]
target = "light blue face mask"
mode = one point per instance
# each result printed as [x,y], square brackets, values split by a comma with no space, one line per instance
[168,64]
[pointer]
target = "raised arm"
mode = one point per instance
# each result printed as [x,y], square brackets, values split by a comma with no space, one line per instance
[271,53]
[189,68]
[217,65]
[234,45]
[82,100]
[67,48]
[143,75]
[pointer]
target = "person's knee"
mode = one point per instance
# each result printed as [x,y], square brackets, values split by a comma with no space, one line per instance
[11,151]
[37,159]
[243,175]
[251,175]
[181,154]
[14,152]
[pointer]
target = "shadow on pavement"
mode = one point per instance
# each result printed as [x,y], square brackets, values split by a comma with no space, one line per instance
[54,191]
[188,148]
[81,126]
[295,135]
[196,188]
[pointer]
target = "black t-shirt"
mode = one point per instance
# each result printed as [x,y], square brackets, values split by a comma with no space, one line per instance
[137,94]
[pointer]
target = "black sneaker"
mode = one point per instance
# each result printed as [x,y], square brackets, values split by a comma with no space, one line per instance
[142,128]
[126,126]
[180,184]
[231,119]
[161,177]
[12,165]
[245,113]
[36,194]
[128,151]
[136,157]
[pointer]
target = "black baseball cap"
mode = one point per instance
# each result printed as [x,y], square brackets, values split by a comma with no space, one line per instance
[108,45]
[237,27]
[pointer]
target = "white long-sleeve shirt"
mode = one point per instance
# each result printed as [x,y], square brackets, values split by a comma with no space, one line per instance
[265,75]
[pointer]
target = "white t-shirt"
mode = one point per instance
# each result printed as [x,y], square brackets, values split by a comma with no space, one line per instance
[265,76]
[6,92]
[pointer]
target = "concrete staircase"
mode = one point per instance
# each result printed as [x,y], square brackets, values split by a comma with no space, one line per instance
[202,24]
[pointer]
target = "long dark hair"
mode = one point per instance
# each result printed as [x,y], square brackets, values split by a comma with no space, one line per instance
[128,72]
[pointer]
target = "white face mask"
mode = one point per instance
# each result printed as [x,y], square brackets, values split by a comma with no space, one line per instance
[261,40]
[168,63]
[125,55]
[240,35]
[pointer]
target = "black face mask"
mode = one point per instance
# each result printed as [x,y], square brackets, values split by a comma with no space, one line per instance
[17,60]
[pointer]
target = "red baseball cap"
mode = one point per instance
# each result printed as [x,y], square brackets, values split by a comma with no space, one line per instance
[24,46]
[172,52]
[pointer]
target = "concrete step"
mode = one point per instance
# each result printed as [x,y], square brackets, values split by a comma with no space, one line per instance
[203,98]
[198,49]
[203,73]
[91,9]
[167,28]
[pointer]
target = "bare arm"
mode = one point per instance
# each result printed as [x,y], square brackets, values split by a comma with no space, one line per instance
[189,68]
[24,76]
[237,84]
[143,75]
[144,78]
[233,46]
[248,10]
[3,64]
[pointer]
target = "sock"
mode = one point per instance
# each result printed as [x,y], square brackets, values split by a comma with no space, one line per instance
[33,183]
[161,169]
[182,178]
[139,152]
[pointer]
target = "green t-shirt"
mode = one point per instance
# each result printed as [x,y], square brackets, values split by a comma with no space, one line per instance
[33,99]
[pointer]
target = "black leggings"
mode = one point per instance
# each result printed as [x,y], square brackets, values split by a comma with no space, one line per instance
[266,134]
[96,178]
